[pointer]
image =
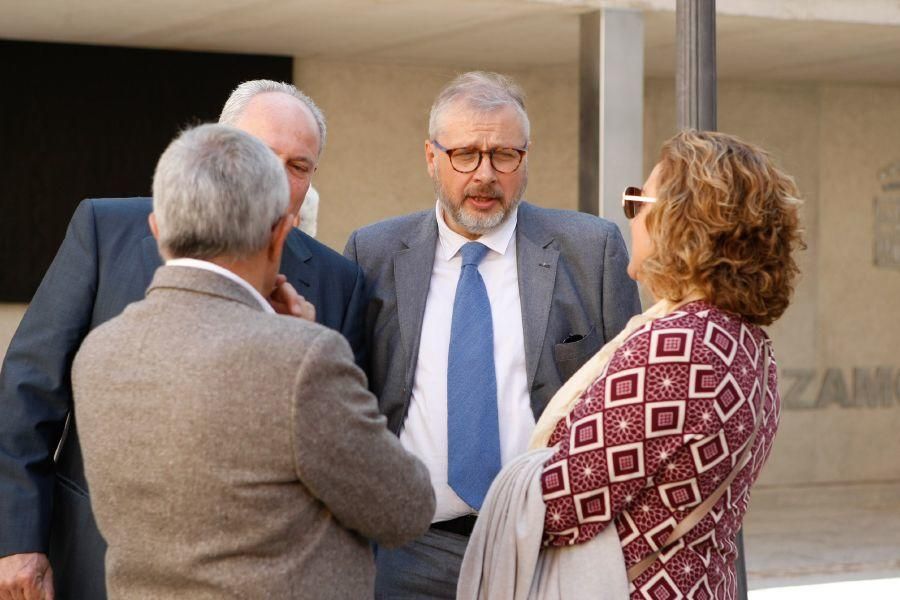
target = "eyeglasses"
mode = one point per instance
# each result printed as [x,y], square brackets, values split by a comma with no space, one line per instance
[633,199]
[467,160]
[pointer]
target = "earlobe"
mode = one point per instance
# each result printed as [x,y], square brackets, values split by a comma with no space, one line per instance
[280,231]
[429,158]
[154,229]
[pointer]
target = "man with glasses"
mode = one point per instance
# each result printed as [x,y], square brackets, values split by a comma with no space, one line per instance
[478,311]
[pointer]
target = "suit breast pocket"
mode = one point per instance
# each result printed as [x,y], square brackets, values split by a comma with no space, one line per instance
[570,356]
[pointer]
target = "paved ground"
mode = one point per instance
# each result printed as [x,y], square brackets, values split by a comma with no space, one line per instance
[823,533]
[877,589]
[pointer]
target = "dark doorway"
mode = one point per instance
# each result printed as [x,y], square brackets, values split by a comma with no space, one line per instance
[81,121]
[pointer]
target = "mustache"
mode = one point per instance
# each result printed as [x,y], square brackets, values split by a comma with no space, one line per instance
[483,191]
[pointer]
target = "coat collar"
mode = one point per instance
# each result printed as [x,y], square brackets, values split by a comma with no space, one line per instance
[412,276]
[296,260]
[536,260]
[203,282]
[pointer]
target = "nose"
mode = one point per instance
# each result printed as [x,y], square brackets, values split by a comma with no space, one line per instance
[485,172]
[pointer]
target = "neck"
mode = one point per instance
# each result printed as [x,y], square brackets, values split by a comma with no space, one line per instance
[691,296]
[252,270]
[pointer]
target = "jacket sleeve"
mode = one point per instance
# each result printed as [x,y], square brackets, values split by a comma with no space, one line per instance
[361,342]
[612,450]
[353,327]
[35,387]
[619,292]
[350,248]
[346,456]
[585,487]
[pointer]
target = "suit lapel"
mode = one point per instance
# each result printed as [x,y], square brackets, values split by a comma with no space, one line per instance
[536,262]
[152,260]
[412,277]
[296,264]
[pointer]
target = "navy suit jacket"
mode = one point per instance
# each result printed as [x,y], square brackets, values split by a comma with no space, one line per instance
[105,262]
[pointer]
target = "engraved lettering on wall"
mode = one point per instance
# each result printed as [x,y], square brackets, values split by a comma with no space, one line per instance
[855,388]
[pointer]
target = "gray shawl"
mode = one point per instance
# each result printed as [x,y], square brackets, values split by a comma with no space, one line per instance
[505,560]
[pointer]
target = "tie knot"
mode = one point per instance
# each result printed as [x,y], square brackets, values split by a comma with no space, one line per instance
[473,253]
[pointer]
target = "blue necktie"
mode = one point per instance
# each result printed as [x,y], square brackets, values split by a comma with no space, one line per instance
[473,429]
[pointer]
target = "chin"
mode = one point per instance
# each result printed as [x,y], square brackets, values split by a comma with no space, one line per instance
[478,213]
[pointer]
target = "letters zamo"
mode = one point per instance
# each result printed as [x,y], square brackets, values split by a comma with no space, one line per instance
[859,388]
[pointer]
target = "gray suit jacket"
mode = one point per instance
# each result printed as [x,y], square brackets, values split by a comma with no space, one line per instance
[234,453]
[573,286]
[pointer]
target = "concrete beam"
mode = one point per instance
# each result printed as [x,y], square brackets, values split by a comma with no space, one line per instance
[611,138]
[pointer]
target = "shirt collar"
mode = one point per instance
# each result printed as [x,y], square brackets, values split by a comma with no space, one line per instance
[497,239]
[208,266]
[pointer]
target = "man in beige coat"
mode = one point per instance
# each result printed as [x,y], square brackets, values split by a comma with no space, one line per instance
[232,452]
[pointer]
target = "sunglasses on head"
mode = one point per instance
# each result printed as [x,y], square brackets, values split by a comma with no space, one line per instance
[632,201]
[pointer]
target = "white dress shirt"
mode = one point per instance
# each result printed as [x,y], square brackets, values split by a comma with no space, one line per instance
[208,266]
[424,432]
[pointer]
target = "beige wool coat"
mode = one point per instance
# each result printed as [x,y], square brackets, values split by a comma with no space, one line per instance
[232,453]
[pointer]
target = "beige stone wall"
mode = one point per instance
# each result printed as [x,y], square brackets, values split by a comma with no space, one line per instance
[374,165]
[10,315]
[845,314]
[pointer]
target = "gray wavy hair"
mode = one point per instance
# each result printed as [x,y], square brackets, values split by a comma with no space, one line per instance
[217,191]
[242,95]
[481,91]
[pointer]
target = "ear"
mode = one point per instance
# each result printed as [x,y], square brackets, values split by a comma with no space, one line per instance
[280,231]
[154,229]
[429,157]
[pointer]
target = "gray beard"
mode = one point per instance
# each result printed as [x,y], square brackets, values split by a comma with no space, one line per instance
[473,223]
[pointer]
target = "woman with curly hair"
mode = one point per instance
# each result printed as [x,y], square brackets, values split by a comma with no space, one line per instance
[657,440]
[676,422]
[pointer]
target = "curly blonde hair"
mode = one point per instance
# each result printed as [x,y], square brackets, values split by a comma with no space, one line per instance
[725,225]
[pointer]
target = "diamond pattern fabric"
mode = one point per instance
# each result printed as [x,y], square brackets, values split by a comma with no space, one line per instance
[653,437]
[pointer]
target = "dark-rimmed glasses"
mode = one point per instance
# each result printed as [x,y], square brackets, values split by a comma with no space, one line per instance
[633,199]
[467,160]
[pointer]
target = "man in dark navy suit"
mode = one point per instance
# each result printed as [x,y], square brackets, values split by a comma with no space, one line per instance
[105,262]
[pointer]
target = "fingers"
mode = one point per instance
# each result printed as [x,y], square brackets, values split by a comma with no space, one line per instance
[33,591]
[306,309]
[299,306]
[289,295]
[26,577]
[49,592]
[286,301]
[43,585]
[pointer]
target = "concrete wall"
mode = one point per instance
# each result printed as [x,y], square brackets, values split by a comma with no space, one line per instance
[10,315]
[837,345]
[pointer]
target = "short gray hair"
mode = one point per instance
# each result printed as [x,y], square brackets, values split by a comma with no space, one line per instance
[481,91]
[217,191]
[242,95]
